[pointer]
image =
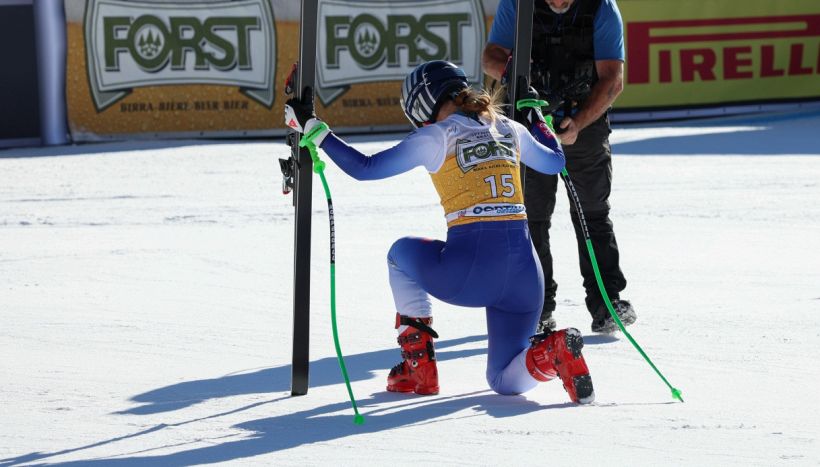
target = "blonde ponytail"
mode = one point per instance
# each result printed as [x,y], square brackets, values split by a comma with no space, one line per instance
[472,100]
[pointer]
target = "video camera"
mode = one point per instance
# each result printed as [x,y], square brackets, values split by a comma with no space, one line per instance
[557,96]
[573,91]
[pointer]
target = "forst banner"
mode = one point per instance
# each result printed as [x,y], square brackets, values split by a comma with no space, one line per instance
[690,53]
[369,42]
[179,68]
[217,68]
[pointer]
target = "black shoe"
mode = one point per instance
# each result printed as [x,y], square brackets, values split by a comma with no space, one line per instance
[546,322]
[603,323]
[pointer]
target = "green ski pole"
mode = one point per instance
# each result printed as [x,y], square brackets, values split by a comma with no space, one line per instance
[537,103]
[319,168]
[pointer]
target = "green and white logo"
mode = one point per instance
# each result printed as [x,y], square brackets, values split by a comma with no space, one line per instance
[376,40]
[138,44]
[470,153]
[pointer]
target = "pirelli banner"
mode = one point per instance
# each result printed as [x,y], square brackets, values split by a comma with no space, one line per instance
[693,53]
[217,68]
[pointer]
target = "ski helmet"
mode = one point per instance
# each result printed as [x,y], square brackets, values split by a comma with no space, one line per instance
[426,87]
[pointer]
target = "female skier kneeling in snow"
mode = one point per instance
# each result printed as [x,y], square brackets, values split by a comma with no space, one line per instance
[488,260]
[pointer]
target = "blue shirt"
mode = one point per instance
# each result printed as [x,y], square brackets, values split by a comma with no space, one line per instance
[608,37]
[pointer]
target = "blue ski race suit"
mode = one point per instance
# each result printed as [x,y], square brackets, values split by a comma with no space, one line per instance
[488,259]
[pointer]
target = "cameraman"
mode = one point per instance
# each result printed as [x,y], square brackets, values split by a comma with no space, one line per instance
[577,58]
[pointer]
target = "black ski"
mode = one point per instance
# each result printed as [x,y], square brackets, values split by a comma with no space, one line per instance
[518,80]
[301,170]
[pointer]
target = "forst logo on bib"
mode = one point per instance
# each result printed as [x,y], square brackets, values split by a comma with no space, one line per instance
[471,153]
[135,44]
[377,40]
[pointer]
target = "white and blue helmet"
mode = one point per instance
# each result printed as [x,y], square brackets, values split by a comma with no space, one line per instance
[426,87]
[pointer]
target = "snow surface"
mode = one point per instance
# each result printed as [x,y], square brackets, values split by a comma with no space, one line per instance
[145,311]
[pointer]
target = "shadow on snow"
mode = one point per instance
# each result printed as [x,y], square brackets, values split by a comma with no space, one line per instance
[274,434]
[287,431]
[319,424]
[323,372]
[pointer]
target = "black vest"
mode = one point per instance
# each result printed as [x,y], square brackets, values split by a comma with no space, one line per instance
[562,50]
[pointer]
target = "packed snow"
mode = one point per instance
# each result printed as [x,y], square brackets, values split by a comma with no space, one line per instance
[146,313]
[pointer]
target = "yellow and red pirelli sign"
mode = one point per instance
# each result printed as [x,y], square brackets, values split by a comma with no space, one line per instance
[695,53]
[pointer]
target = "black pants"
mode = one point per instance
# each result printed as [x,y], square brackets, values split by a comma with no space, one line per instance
[589,164]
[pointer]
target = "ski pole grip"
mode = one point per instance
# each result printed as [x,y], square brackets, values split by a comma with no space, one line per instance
[318,164]
[307,142]
[308,137]
[536,104]
[530,103]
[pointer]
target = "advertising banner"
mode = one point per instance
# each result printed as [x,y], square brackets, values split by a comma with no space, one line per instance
[367,47]
[692,53]
[216,68]
[367,42]
[184,69]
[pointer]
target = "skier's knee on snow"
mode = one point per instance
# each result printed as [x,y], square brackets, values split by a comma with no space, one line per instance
[507,386]
[495,381]
[512,378]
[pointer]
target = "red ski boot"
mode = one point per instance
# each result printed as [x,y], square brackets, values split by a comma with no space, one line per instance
[559,354]
[417,371]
